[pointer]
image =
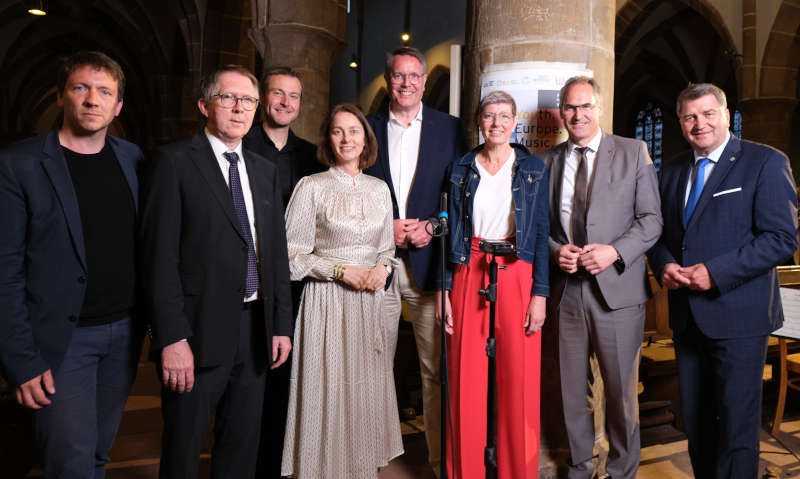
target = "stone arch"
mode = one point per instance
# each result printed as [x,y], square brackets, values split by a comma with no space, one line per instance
[630,14]
[437,91]
[781,60]
[379,102]
[661,46]
[146,39]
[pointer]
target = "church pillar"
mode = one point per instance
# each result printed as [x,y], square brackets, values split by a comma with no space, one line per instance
[306,35]
[575,31]
[768,121]
[580,32]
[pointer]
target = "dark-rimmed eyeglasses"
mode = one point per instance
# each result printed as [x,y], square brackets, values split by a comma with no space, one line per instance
[412,77]
[229,100]
[585,108]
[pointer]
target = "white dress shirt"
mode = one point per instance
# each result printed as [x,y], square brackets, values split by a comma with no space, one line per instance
[714,157]
[403,154]
[224,165]
[493,205]
[568,178]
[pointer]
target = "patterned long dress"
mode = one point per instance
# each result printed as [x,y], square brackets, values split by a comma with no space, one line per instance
[342,421]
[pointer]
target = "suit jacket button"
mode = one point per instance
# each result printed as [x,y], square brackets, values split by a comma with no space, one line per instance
[73,318]
[463,258]
[81,279]
[241,290]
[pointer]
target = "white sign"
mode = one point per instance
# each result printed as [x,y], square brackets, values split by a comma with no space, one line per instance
[791,314]
[535,87]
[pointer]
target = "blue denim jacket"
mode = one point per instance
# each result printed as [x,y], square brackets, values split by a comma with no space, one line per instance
[529,189]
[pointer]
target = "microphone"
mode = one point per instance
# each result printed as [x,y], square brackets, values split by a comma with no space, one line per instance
[443,213]
[439,222]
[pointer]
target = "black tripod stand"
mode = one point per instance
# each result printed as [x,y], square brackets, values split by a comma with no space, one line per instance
[495,249]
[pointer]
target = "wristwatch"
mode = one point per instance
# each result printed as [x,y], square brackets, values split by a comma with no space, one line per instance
[619,264]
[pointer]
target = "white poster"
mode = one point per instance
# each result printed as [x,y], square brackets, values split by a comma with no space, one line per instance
[535,87]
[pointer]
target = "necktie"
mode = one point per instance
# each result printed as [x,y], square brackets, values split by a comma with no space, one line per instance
[697,188]
[579,201]
[244,222]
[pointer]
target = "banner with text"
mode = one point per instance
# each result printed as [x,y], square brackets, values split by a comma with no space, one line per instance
[535,87]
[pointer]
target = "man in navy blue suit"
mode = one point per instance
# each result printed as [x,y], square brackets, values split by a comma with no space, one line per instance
[730,216]
[68,202]
[416,144]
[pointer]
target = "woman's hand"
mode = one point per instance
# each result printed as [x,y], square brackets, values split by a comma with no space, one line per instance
[355,277]
[448,311]
[537,312]
[376,279]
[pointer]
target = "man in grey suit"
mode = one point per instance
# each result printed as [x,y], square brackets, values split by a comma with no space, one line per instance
[604,215]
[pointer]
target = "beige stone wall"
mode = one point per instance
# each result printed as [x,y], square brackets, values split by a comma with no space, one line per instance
[307,35]
[576,31]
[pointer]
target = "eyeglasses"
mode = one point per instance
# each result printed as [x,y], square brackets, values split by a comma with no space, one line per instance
[585,108]
[502,117]
[413,77]
[229,100]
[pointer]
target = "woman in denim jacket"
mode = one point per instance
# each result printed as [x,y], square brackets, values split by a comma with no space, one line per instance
[499,192]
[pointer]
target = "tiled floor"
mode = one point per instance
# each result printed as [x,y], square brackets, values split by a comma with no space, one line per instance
[136,452]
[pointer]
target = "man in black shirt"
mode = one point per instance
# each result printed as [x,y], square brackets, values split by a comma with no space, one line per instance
[68,202]
[281,90]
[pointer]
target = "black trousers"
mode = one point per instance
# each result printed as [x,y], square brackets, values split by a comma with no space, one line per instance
[276,406]
[234,392]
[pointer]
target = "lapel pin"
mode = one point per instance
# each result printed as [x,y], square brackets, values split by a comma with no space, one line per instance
[733,158]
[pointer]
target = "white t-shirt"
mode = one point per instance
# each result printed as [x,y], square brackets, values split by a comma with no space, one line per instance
[493,205]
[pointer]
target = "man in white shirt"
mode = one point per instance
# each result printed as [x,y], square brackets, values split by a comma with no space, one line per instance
[604,216]
[416,144]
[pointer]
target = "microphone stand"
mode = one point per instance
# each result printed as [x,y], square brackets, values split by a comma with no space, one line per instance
[441,231]
[495,249]
[490,452]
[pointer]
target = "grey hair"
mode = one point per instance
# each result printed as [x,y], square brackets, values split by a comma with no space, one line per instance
[576,80]
[209,85]
[696,90]
[497,96]
[408,51]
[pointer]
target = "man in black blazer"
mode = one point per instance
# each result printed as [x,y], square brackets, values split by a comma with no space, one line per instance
[281,92]
[216,274]
[68,201]
[416,144]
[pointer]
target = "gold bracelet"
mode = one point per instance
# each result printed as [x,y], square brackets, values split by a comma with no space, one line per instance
[341,272]
[335,275]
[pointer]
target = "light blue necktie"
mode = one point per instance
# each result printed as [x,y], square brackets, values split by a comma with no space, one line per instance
[697,188]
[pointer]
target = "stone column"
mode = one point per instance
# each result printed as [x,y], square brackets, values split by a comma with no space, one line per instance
[307,35]
[575,31]
[505,31]
[768,121]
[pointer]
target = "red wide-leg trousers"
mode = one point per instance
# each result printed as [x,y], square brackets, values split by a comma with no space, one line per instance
[518,362]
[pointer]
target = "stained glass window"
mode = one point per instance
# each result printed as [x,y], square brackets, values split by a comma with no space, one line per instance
[650,129]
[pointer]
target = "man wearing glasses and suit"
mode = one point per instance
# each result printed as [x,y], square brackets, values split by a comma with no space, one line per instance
[416,144]
[604,216]
[216,275]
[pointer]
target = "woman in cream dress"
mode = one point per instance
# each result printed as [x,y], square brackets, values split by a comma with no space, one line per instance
[342,420]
